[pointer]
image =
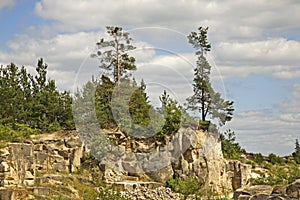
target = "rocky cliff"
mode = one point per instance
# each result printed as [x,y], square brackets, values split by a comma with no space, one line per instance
[190,153]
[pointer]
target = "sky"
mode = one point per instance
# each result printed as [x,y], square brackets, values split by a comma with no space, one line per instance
[254,57]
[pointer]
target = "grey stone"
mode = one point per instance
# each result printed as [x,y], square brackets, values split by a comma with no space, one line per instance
[293,190]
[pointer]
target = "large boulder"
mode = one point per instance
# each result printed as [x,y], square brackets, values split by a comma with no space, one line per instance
[293,190]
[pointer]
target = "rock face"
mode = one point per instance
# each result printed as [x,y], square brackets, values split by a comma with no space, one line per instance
[189,153]
[143,193]
[139,163]
[290,192]
[56,152]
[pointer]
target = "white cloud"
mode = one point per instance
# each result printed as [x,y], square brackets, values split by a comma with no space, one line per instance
[273,56]
[262,131]
[275,51]
[6,3]
[232,18]
[290,109]
[67,55]
[270,131]
[64,54]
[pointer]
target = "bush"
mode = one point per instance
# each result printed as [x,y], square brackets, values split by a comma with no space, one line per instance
[230,148]
[186,187]
[274,159]
[109,194]
[16,133]
[258,158]
[172,113]
[278,175]
[204,125]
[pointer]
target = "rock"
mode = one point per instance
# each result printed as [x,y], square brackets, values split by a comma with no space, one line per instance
[260,197]
[73,142]
[244,197]
[279,190]
[277,198]
[239,173]
[19,161]
[256,192]
[41,191]
[13,194]
[293,190]
[257,172]
[241,193]
[144,193]
[162,175]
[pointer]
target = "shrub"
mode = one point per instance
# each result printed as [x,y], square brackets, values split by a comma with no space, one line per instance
[186,187]
[110,194]
[204,125]
[278,175]
[230,148]
[274,159]
[16,133]
[258,158]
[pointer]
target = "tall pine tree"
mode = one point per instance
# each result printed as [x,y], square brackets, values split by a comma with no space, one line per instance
[113,54]
[205,99]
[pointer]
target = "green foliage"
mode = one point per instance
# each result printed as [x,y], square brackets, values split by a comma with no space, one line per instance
[109,194]
[113,53]
[103,97]
[139,106]
[125,106]
[204,125]
[274,159]
[296,153]
[278,175]
[186,187]
[258,158]
[34,101]
[172,113]
[192,188]
[230,148]
[16,134]
[205,99]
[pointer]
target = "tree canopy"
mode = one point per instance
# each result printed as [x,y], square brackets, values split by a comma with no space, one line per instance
[33,101]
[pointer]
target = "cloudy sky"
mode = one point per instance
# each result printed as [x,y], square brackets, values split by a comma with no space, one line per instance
[255,53]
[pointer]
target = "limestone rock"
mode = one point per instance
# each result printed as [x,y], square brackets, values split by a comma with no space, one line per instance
[47,152]
[293,190]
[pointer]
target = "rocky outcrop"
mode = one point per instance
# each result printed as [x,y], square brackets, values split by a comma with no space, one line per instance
[257,192]
[144,193]
[189,153]
[58,152]
[132,164]
[239,173]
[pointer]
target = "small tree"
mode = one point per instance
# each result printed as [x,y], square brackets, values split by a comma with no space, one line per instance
[230,148]
[113,54]
[172,113]
[205,99]
[296,154]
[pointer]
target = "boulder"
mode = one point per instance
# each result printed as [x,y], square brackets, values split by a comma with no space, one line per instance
[293,190]
[279,190]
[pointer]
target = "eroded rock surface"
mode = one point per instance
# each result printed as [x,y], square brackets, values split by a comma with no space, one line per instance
[266,192]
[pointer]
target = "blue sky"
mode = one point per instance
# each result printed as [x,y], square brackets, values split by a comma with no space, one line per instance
[254,53]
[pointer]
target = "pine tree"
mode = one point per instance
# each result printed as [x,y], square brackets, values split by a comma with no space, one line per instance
[296,154]
[205,99]
[113,54]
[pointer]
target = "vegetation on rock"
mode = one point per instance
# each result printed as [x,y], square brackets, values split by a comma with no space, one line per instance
[230,147]
[31,104]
